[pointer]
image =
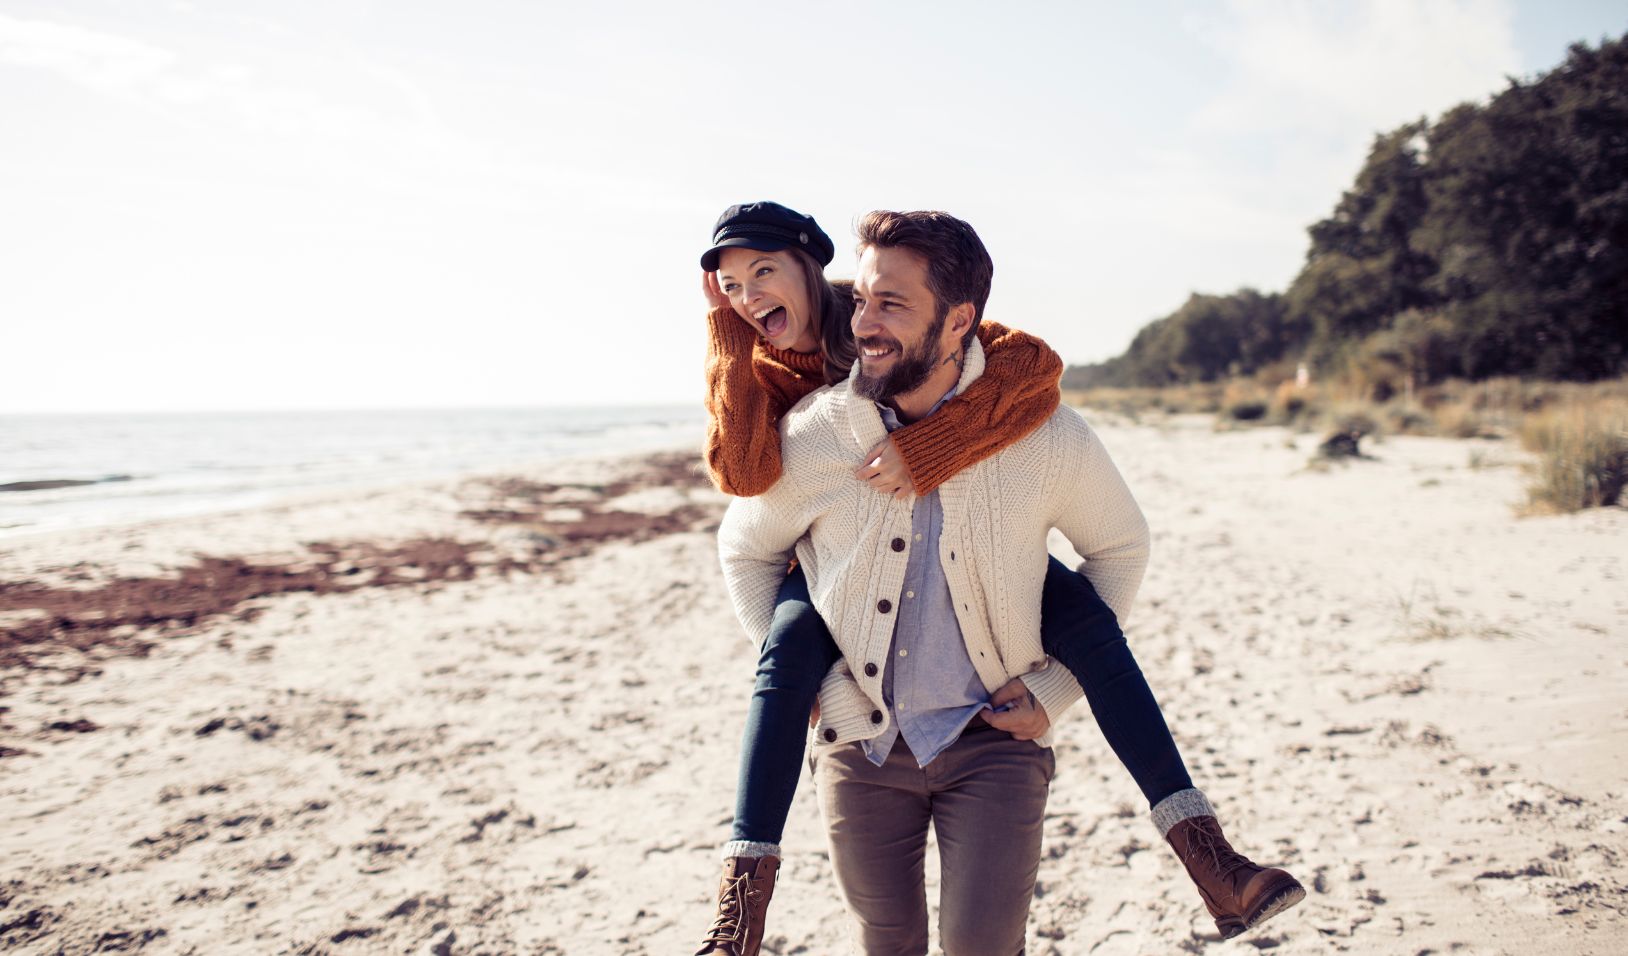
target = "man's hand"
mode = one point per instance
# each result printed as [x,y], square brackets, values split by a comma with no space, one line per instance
[1023,717]
[716,299]
[884,470]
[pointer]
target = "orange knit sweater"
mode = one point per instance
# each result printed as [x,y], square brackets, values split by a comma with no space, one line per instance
[751,384]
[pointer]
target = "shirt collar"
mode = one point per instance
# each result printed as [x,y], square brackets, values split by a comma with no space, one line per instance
[890,418]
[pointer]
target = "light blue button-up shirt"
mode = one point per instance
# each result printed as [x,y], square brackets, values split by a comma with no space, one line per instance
[930,686]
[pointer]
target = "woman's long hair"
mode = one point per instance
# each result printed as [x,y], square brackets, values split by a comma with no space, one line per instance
[833,307]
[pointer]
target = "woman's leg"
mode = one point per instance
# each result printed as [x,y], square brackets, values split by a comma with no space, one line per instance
[1079,629]
[1082,633]
[796,656]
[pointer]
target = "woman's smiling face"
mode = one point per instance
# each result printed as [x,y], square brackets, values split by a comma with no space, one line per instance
[769,291]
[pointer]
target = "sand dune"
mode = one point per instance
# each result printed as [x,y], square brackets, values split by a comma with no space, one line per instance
[1384,679]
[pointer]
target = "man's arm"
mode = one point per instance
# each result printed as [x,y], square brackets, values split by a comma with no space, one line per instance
[1093,508]
[755,546]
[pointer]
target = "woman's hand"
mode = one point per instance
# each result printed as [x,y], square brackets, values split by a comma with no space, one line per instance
[884,470]
[814,714]
[716,299]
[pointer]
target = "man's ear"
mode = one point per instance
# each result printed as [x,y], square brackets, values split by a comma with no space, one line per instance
[958,321]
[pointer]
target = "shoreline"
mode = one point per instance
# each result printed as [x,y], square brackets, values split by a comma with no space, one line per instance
[108,471]
[504,524]
[1383,678]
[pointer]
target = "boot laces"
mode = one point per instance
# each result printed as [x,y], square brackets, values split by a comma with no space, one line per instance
[734,913]
[1211,844]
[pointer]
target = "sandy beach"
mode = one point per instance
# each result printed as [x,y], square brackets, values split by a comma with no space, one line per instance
[501,715]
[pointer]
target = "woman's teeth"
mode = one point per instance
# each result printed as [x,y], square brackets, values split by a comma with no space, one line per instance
[774,320]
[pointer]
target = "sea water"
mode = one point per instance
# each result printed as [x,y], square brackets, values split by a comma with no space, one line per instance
[63,471]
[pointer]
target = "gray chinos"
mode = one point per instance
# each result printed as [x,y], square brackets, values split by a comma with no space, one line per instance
[985,796]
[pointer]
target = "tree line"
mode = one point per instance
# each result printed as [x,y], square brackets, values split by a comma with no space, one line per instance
[1492,242]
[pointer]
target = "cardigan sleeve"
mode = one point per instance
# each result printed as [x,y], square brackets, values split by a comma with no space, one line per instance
[1091,505]
[755,543]
[1016,394]
[749,387]
[1093,508]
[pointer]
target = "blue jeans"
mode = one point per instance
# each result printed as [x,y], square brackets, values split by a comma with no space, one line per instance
[1077,628]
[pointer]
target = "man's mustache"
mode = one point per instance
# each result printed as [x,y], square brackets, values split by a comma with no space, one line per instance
[878,342]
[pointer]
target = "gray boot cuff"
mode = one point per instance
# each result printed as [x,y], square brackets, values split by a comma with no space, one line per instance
[1179,806]
[736,848]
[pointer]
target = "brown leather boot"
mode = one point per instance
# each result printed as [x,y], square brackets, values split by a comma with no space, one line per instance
[1239,894]
[743,900]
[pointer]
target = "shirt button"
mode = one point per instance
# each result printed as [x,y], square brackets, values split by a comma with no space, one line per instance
[898,544]
[884,605]
[870,670]
[830,736]
[876,716]
[904,653]
[918,537]
[909,594]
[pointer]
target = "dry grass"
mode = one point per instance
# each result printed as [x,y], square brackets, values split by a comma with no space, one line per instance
[1582,454]
[1579,431]
[1495,408]
[1133,403]
[1422,616]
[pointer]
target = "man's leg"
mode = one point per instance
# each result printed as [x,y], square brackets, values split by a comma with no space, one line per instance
[876,818]
[989,804]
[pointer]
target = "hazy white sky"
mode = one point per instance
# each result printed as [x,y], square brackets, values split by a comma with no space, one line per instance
[338,203]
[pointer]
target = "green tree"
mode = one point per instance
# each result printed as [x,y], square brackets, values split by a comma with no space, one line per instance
[1528,220]
[1362,267]
[1492,242]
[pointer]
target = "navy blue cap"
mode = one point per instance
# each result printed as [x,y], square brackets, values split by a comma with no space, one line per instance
[767,227]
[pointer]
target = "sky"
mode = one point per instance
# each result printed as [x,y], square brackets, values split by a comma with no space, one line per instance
[298,204]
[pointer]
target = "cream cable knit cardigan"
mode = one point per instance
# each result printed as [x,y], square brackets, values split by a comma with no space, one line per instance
[853,544]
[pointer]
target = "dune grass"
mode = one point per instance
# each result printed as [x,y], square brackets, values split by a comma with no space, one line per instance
[1582,454]
[1578,431]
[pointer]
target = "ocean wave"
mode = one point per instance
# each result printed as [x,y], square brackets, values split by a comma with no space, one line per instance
[166,465]
[53,484]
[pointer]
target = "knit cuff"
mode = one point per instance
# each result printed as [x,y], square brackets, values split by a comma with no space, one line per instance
[931,455]
[1054,687]
[750,848]
[730,334]
[1179,806]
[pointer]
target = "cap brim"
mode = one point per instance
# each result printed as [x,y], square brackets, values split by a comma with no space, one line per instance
[709,259]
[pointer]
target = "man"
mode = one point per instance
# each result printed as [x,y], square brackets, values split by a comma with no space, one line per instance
[940,712]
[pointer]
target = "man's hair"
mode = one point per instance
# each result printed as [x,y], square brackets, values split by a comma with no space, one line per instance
[958,266]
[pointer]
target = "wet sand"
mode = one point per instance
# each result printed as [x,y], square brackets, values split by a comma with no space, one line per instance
[502,715]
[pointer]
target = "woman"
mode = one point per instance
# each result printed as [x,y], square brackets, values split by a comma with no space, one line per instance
[778,331]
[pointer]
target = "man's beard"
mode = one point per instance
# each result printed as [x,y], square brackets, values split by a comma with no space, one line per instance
[912,368]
